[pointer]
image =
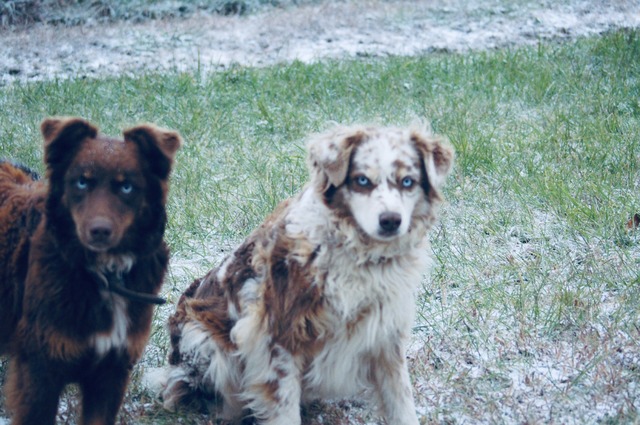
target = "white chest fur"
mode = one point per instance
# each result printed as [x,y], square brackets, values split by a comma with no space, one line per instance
[371,310]
[116,338]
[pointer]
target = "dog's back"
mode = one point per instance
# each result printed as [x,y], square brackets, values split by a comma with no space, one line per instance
[21,205]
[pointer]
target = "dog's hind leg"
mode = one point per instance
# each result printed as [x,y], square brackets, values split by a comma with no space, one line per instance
[32,393]
[273,387]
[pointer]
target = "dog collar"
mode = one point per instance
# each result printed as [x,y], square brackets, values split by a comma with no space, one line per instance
[115,284]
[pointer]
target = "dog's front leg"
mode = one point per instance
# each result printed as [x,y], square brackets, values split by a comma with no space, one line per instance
[102,393]
[33,390]
[393,387]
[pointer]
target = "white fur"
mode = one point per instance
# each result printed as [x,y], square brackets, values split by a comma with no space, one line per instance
[116,338]
[367,278]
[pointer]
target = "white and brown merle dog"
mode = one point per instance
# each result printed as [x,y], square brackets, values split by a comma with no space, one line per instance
[318,302]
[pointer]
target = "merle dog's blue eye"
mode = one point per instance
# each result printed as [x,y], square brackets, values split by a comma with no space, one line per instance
[126,188]
[363,181]
[82,183]
[407,182]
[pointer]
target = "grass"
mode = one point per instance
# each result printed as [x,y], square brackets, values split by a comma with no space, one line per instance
[531,313]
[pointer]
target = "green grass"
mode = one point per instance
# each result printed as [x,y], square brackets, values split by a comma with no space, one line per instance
[531,313]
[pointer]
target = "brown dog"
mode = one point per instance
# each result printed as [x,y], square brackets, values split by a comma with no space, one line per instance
[82,259]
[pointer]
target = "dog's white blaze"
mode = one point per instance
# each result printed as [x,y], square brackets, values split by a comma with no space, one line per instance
[367,209]
[379,160]
[117,337]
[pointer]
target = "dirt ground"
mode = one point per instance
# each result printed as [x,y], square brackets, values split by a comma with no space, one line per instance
[329,29]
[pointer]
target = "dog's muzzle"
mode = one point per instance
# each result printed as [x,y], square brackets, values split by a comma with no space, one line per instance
[389,223]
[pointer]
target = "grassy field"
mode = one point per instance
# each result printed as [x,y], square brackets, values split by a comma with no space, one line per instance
[531,311]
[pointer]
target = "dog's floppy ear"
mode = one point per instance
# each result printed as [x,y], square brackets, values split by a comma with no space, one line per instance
[158,145]
[62,135]
[438,157]
[329,156]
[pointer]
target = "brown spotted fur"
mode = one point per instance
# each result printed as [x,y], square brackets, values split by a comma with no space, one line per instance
[312,305]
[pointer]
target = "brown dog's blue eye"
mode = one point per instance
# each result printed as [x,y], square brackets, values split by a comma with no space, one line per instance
[82,183]
[126,188]
[363,181]
[407,182]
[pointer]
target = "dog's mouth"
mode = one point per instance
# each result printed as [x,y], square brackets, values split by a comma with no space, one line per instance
[386,235]
[97,246]
[99,235]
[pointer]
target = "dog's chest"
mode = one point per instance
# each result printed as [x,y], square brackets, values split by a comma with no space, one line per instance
[369,310]
[342,365]
[116,337]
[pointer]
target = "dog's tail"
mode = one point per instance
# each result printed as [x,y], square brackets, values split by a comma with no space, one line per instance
[21,196]
[163,383]
[19,173]
[14,177]
[174,387]
[170,385]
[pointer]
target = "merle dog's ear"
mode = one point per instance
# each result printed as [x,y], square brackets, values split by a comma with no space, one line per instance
[438,156]
[330,154]
[157,145]
[62,136]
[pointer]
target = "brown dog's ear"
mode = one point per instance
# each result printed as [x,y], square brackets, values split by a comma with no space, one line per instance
[438,156]
[329,156]
[62,136]
[158,145]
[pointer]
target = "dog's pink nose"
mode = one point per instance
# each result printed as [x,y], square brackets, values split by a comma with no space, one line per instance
[390,221]
[100,230]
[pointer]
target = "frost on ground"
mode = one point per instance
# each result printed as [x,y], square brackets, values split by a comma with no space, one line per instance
[494,369]
[330,29]
[516,357]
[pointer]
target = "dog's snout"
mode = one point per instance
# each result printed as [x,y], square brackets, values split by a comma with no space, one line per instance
[390,221]
[100,230]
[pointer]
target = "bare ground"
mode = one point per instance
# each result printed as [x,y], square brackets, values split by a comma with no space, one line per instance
[330,29]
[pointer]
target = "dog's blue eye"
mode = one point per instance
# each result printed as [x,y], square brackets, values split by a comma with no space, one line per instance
[407,182]
[363,181]
[126,188]
[82,183]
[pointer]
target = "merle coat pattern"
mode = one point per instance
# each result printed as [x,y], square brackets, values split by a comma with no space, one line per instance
[318,302]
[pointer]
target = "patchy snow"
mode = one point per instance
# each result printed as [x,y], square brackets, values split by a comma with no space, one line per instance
[307,33]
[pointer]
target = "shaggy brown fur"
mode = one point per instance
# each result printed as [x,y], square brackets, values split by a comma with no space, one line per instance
[81,258]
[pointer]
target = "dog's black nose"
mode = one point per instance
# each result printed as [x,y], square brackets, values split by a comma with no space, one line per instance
[390,221]
[100,230]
